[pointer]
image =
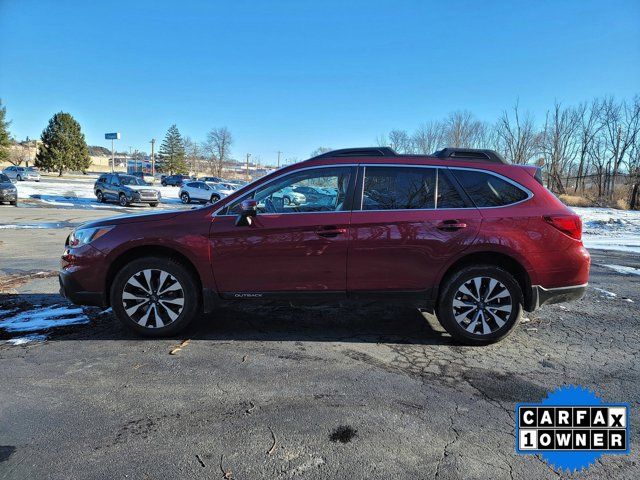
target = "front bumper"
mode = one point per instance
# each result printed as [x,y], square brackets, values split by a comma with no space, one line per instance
[71,290]
[547,296]
[8,196]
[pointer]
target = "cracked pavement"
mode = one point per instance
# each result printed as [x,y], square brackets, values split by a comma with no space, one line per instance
[258,391]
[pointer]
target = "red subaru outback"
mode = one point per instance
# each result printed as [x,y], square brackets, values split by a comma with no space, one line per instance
[462,233]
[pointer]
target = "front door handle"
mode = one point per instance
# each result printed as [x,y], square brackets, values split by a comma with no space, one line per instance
[451,225]
[330,231]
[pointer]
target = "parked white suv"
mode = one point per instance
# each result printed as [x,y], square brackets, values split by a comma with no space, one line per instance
[22,173]
[203,192]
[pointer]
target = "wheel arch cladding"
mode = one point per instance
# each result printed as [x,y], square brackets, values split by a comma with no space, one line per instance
[149,251]
[501,260]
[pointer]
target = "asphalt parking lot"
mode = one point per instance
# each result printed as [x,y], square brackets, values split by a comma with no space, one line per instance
[264,392]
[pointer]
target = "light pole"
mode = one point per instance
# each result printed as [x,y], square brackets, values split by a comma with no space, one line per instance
[279,152]
[247,173]
[153,162]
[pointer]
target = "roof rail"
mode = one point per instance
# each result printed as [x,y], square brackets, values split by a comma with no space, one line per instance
[360,152]
[471,154]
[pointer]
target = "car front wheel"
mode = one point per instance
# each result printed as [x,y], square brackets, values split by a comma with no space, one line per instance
[185,198]
[122,200]
[155,296]
[99,197]
[480,305]
[214,198]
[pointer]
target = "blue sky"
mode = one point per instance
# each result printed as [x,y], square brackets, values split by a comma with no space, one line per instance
[294,75]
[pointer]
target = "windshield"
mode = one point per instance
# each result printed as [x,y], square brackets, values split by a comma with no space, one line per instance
[129,180]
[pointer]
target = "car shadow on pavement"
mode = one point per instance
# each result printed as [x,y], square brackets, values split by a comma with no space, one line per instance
[372,323]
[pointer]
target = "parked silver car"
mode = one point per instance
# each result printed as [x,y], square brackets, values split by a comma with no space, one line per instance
[22,173]
[8,191]
[203,192]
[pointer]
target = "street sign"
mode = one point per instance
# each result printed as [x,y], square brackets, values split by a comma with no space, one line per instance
[112,136]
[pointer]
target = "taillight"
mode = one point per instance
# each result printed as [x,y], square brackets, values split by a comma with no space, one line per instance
[570,225]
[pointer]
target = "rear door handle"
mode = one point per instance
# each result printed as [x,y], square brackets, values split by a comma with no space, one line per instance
[451,225]
[330,231]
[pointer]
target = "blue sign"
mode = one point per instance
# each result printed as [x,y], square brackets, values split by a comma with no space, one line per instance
[571,428]
[112,136]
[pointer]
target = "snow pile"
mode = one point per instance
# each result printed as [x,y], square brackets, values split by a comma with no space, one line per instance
[43,319]
[610,229]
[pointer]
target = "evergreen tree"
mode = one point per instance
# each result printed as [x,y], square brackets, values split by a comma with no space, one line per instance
[5,140]
[63,146]
[172,153]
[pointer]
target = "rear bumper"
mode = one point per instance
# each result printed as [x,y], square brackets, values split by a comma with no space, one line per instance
[71,290]
[546,296]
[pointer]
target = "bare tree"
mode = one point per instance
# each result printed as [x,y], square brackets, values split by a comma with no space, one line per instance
[193,153]
[463,130]
[428,138]
[621,127]
[589,128]
[516,136]
[399,140]
[558,143]
[320,151]
[218,148]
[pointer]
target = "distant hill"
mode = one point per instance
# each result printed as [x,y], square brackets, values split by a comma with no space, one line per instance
[96,151]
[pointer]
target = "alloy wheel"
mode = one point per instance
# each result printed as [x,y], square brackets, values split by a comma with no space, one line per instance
[153,298]
[482,305]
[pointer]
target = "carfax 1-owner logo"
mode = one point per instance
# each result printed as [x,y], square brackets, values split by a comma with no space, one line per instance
[571,428]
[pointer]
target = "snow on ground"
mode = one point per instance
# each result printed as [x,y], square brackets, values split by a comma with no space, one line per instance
[624,270]
[78,193]
[610,229]
[45,318]
[27,339]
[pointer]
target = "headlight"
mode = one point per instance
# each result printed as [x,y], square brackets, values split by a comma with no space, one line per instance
[83,236]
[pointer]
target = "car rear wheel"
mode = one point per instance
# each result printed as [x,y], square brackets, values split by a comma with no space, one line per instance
[14,203]
[286,201]
[122,200]
[480,304]
[214,198]
[164,184]
[153,204]
[155,296]
[99,197]
[185,198]
[19,178]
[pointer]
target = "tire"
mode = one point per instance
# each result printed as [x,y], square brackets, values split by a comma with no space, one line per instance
[480,322]
[14,203]
[286,200]
[164,184]
[185,198]
[99,197]
[153,204]
[19,178]
[122,200]
[160,318]
[215,198]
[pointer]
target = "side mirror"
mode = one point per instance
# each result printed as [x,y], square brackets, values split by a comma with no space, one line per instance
[248,210]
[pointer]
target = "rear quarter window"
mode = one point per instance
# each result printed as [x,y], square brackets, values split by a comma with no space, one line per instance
[487,190]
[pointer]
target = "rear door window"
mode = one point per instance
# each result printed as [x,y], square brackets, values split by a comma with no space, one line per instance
[487,190]
[448,194]
[398,188]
